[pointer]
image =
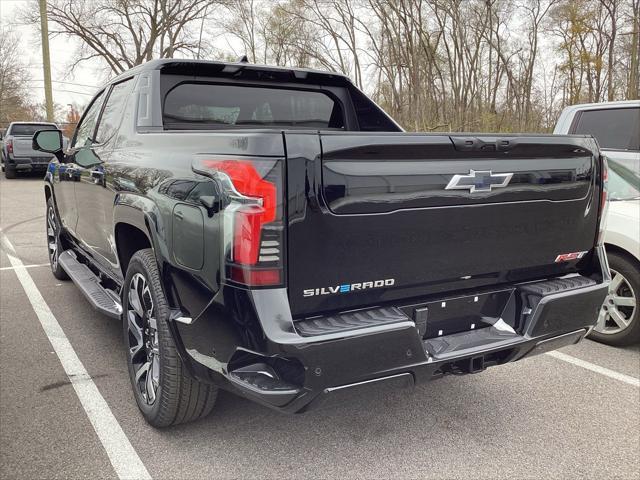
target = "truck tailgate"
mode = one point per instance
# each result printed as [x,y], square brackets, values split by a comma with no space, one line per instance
[22,148]
[377,218]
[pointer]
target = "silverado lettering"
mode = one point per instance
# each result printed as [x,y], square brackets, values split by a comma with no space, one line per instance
[348,287]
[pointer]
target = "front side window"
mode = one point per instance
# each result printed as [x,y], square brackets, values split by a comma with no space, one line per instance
[214,105]
[113,109]
[614,128]
[87,127]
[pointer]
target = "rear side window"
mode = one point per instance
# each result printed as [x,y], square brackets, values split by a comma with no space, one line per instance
[614,128]
[113,109]
[213,105]
[28,130]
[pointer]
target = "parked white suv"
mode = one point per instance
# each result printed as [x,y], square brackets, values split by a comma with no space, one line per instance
[616,126]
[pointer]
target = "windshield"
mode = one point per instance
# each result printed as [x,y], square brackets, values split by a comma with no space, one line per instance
[624,180]
[28,130]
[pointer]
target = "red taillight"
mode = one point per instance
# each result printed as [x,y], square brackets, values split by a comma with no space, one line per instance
[253,190]
[253,277]
[248,181]
[249,219]
[9,146]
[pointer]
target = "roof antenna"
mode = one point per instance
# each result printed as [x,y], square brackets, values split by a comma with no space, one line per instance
[243,59]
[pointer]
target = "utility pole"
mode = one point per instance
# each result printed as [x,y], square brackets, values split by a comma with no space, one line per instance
[46,62]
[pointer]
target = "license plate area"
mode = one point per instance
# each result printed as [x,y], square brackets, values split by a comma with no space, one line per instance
[460,314]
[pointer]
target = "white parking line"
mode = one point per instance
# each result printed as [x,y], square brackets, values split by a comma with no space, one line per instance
[596,368]
[25,266]
[121,453]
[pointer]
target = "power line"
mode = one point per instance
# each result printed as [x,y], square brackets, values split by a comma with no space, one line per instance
[73,91]
[65,83]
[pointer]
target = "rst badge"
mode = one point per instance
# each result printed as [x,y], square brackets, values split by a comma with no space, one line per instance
[479,181]
[567,257]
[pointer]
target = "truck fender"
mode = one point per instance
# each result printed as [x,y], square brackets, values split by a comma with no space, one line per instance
[143,214]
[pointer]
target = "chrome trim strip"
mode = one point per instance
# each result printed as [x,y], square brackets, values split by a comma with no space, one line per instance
[365,382]
[185,320]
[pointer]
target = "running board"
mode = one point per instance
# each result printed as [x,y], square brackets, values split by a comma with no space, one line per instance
[89,284]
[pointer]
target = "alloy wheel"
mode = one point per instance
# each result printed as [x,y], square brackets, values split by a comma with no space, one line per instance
[52,237]
[619,306]
[144,352]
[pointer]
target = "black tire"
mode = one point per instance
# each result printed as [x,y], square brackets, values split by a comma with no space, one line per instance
[628,268]
[177,397]
[9,172]
[54,245]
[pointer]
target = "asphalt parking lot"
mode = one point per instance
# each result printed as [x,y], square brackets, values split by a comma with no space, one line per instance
[542,417]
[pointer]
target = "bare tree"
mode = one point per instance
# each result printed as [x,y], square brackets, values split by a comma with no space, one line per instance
[15,103]
[633,49]
[501,65]
[125,33]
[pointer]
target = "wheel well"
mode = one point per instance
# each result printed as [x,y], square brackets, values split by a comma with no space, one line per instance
[129,240]
[622,252]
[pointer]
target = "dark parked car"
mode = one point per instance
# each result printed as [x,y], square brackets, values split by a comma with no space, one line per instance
[271,231]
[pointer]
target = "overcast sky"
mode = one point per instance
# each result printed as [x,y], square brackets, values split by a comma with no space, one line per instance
[77,88]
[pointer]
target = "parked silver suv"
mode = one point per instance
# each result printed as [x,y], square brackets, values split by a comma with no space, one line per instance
[17,155]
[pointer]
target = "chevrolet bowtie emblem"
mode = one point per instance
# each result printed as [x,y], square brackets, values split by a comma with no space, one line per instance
[479,181]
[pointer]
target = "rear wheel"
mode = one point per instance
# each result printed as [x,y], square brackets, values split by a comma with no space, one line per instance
[164,391]
[9,172]
[619,319]
[54,246]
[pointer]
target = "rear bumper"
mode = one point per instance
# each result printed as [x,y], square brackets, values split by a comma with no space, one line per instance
[293,373]
[27,164]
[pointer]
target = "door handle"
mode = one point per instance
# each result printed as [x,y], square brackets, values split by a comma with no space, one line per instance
[178,214]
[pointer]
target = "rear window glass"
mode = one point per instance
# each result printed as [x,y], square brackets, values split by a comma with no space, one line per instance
[614,128]
[214,105]
[29,129]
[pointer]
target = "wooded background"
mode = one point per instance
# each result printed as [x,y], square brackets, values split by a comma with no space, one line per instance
[434,65]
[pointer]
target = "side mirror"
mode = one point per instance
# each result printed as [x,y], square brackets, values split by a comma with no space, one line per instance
[49,141]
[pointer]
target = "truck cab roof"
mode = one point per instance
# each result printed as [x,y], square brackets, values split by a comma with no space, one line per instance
[216,68]
[32,123]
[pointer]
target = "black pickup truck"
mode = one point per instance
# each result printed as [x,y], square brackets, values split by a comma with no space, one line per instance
[271,231]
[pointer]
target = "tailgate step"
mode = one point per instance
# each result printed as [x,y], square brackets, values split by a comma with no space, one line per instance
[89,285]
[464,343]
[347,321]
[534,292]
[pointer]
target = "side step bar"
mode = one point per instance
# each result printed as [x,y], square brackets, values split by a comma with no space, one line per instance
[89,284]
